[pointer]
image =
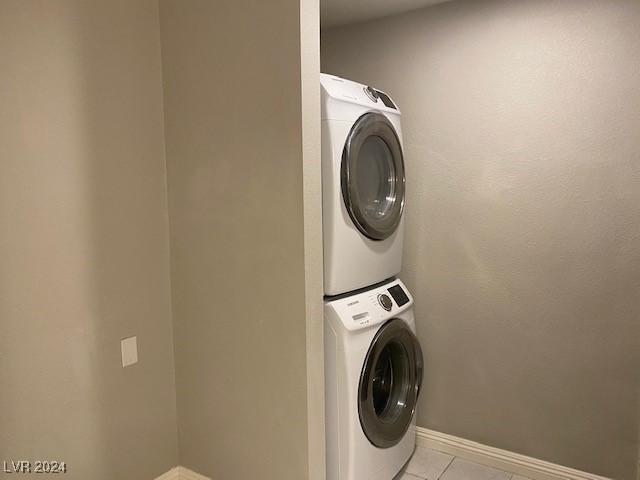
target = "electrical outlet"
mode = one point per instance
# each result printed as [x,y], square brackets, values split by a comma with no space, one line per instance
[129,348]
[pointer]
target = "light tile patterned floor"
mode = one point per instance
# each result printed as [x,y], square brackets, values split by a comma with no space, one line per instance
[427,464]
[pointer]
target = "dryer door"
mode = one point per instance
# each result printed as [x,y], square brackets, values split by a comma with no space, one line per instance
[372,176]
[390,384]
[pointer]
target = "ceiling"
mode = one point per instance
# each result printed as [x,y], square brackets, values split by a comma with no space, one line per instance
[342,12]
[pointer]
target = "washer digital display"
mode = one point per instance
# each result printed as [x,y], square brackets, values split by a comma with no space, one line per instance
[398,295]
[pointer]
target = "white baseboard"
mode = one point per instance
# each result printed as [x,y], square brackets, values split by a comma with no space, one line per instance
[502,459]
[181,473]
[173,474]
[186,474]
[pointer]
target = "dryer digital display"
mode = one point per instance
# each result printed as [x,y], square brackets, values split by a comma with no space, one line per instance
[386,100]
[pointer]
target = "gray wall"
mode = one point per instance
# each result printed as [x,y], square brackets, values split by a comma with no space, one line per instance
[521,122]
[232,89]
[84,253]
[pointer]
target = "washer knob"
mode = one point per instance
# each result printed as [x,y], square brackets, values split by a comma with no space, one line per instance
[385,302]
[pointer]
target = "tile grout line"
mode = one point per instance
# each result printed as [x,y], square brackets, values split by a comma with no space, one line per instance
[446,468]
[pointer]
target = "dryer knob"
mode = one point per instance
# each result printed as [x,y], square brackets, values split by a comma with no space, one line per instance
[385,302]
[372,93]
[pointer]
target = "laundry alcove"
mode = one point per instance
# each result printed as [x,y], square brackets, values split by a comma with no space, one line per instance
[521,151]
[160,188]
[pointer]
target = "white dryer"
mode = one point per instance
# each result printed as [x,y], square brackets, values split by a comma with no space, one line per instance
[363,185]
[373,374]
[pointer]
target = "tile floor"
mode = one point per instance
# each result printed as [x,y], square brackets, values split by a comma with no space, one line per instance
[427,464]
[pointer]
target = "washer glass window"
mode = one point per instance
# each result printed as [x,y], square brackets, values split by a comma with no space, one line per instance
[372,176]
[390,384]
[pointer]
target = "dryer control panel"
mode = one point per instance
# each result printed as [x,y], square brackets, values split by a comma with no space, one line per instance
[371,307]
[348,91]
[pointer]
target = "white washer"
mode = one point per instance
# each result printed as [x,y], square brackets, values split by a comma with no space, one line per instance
[363,185]
[373,374]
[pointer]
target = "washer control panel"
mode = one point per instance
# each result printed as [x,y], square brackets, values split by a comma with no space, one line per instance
[370,307]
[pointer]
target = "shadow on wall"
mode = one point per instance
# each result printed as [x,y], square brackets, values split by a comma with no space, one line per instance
[83,239]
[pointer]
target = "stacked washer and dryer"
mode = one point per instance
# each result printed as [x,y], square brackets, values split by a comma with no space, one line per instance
[373,361]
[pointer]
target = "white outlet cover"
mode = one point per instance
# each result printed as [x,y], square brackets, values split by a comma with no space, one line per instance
[129,347]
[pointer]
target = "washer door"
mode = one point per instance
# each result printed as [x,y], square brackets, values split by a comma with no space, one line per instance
[390,384]
[372,176]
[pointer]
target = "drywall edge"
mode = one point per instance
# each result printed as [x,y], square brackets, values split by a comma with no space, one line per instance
[312,195]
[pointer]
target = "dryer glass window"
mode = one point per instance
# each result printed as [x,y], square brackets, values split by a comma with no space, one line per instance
[376,179]
[372,176]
